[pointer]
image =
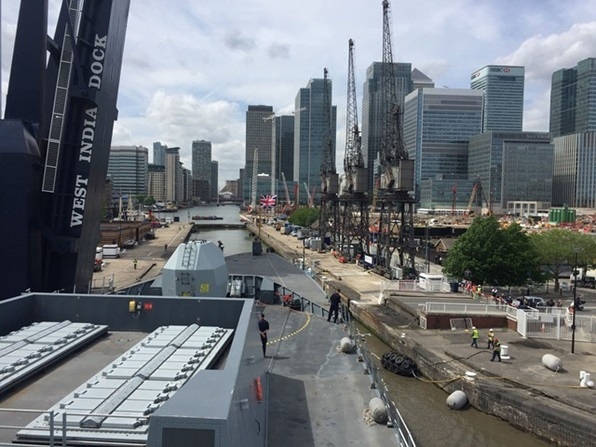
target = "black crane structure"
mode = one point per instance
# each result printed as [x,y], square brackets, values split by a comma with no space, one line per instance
[394,228]
[353,200]
[329,210]
[55,141]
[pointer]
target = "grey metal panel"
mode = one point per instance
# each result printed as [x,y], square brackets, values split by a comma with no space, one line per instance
[135,385]
[32,348]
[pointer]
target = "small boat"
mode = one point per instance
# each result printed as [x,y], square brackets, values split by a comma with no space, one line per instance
[207,218]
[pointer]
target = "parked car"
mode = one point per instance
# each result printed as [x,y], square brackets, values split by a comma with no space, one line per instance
[536,301]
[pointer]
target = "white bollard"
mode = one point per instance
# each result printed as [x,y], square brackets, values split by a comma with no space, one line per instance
[585,380]
[505,352]
[378,410]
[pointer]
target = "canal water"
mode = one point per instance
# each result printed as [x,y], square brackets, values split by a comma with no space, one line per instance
[235,240]
[422,404]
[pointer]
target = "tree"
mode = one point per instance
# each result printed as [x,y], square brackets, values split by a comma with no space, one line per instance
[488,254]
[304,216]
[557,248]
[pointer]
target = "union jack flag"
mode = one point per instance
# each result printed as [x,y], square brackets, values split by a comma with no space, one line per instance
[268,201]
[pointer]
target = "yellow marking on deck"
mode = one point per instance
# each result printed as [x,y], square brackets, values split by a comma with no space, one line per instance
[291,334]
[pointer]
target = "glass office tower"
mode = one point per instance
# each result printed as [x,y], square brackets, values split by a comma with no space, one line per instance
[503,88]
[373,111]
[309,133]
[438,124]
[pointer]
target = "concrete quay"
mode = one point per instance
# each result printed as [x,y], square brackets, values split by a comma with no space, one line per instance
[549,405]
[151,255]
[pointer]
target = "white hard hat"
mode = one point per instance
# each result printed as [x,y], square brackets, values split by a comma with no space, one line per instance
[490,330]
[473,327]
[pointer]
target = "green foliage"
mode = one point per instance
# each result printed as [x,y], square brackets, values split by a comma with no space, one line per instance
[304,216]
[488,254]
[557,248]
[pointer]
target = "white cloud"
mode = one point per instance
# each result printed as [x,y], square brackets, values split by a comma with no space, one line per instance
[190,68]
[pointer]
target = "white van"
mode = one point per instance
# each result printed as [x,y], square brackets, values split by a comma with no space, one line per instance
[111,251]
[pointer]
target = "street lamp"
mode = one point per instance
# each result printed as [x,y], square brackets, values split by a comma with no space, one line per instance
[304,254]
[575,306]
[426,254]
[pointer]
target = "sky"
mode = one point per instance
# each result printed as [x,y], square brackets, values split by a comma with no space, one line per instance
[191,68]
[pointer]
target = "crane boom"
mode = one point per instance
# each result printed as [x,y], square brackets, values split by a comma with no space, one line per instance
[353,159]
[397,169]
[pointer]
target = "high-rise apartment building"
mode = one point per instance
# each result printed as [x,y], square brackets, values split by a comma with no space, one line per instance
[503,88]
[173,176]
[373,110]
[573,129]
[214,179]
[573,99]
[159,153]
[156,184]
[438,124]
[127,169]
[201,166]
[310,131]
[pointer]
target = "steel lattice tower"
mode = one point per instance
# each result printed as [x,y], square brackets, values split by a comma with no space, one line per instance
[353,201]
[394,238]
[328,212]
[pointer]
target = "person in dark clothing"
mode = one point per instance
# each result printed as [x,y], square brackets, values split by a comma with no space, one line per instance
[334,301]
[263,328]
[496,350]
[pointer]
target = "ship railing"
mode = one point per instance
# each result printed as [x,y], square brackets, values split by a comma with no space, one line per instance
[374,370]
[57,430]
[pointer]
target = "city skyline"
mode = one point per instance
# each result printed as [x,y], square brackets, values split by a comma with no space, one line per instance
[181,86]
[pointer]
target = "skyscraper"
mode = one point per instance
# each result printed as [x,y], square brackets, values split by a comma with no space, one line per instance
[373,109]
[284,147]
[309,132]
[159,153]
[420,80]
[259,132]
[573,99]
[503,88]
[573,129]
[127,168]
[201,167]
[438,124]
[512,166]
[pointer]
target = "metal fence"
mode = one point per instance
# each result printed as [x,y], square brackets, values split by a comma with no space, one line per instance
[557,326]
[372,368]
[464,308]
[543,322]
